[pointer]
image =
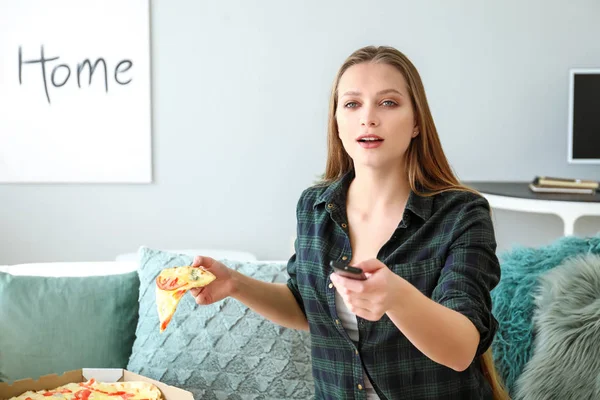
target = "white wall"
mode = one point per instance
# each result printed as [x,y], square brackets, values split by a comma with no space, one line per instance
[240,93]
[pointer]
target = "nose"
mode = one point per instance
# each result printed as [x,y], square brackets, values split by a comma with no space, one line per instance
[369,117]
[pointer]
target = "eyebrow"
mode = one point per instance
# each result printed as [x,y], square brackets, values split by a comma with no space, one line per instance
[386,91]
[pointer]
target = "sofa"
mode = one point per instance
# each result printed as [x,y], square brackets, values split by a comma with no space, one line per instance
[61,316]
[57,317]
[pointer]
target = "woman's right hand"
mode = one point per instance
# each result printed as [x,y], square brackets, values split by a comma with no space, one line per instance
[218,289]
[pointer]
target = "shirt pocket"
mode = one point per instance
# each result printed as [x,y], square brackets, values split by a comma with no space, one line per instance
[423,274]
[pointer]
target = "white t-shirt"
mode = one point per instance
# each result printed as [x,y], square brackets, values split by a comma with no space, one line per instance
[350,324]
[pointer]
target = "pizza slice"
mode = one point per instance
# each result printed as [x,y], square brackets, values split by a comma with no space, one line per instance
[171,285]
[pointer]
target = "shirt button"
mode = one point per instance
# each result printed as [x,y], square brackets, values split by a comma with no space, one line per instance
[356,352]
[359,386]
[330,285]
[344,226]
[330,205]
[344,258]
[337,321]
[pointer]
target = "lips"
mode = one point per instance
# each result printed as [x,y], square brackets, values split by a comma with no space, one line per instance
[369,138]
[369,141]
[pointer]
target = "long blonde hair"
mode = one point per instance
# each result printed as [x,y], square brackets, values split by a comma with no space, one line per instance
[429,172]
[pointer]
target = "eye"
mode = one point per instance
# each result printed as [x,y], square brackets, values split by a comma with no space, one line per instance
[351,104]
[389,103]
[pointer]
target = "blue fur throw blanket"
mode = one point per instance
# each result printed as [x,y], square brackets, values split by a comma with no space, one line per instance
[566,349]
[513,301]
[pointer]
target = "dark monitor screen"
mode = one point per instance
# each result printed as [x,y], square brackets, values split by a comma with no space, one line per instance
[584,116]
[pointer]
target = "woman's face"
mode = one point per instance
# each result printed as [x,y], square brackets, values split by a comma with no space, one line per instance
[374,115]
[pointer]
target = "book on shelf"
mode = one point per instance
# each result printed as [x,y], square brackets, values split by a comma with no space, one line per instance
[557,189]
[550,182]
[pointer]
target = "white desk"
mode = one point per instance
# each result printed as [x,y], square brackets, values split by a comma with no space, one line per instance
[516,196]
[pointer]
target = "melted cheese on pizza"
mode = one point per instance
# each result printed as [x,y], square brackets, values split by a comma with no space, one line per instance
[171,285]
[92,390]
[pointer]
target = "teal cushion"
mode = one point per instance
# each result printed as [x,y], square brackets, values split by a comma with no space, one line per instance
[513,299]
[223,350]
[56,324]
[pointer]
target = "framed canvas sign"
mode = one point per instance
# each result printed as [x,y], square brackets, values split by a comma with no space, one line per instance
[75,92]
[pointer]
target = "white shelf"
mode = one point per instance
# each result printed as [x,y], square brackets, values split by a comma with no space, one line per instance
[568,211]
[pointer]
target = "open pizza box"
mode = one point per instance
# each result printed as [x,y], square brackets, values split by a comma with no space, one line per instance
[81,375]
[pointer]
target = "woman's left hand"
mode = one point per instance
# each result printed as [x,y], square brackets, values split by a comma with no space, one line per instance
[373,297]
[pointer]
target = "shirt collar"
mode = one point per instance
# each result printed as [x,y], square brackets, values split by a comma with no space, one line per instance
[337,190]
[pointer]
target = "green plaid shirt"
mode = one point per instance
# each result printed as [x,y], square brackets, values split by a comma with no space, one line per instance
[444,246]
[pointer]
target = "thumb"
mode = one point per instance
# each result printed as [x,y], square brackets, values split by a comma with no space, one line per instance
[370,266]
[204,262]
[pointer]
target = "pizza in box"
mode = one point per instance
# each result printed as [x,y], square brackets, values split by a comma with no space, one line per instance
[93,390]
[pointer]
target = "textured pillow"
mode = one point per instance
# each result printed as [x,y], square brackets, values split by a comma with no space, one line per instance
[223,350]
[56,324]
[566,350]
[512,299]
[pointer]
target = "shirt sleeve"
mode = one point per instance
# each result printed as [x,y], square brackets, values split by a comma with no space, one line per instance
[292,282]
[292,264]
[471,269]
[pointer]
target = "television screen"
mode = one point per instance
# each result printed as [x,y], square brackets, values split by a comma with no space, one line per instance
[584,116]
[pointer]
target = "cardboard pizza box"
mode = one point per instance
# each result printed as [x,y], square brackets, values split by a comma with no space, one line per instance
[81,375]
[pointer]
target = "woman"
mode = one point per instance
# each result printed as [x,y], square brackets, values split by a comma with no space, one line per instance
[420,326]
